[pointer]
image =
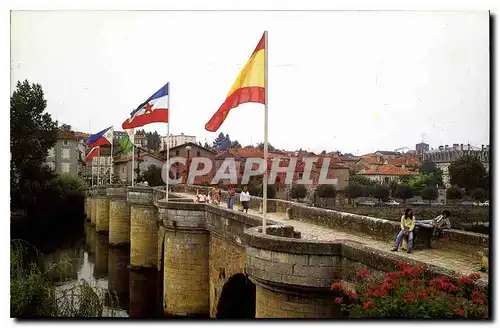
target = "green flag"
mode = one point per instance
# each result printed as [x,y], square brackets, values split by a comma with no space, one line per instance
[126,145]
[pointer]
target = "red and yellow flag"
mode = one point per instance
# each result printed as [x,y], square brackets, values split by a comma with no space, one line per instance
[249,87]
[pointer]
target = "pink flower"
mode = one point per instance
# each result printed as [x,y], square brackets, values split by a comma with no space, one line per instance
[459,311]
[338,300]
[368,304]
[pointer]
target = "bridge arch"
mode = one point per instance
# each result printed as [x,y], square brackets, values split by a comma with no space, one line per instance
[237,299]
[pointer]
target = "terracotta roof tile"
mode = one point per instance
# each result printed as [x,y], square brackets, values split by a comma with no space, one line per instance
[405,160]
[388,169]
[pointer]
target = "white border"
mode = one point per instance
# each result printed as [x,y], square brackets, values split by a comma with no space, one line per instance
[492,5]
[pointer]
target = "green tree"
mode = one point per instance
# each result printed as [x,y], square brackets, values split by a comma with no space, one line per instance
[152,175]
[467,172]
[404,192]
[326,191]
[65,128]
[235,144]
[222,142]
[32,134]
[298,191]
[381,192]
[359,179]
[353,191]
[429,193]
[454,193]
[269,147]
[418,182]
[478,194]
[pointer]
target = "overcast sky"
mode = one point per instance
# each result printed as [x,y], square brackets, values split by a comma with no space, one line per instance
[350,81]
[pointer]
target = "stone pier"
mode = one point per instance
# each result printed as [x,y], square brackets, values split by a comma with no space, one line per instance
[119,216]
[143,228]
[102,214]
[186,267]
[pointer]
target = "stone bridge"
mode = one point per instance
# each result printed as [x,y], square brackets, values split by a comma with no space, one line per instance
[217,262]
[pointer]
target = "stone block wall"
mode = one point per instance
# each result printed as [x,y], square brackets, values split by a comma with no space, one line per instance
[225,259]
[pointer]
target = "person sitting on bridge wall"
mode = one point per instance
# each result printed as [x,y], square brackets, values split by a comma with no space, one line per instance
[407,226]
[437,224]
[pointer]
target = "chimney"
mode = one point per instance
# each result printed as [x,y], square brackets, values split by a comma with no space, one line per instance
[482,147]
[468,146]
[455,146]
[441,148]
[461,146]
[446,147]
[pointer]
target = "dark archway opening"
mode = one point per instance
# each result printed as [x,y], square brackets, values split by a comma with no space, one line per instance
[237,299]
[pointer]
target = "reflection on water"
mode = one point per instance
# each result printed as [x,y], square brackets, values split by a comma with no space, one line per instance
[106,269]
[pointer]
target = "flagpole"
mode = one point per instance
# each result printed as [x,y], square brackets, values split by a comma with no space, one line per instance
[133,154]
[98,160]
[168,139]
[264,185]
[111,159]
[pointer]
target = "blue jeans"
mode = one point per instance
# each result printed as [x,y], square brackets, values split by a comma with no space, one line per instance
[230,203]
[425,223]
[399,239]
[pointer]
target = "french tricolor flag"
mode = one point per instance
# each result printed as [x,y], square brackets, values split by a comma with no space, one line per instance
[92,153]
[102,138]
[153,110]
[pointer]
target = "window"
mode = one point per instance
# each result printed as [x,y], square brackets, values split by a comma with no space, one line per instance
[198,153]
[51,152]
[66,153]
[51,165]
[300,175]
[65,167]
[123,170]
[65,143]
[176,153]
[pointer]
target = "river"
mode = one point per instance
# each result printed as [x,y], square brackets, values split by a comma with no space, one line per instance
[106,269]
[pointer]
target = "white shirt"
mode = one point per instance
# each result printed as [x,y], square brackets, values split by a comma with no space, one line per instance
[244,196]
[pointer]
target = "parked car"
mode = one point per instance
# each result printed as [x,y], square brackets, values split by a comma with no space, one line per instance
[436,204]
[485,203]
[467,203]
[391,202]
[419,203]
[366,203]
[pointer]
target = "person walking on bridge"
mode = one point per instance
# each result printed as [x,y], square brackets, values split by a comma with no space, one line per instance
[230,200]
[245,199]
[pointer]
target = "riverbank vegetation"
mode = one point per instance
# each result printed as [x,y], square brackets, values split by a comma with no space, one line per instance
[35,293]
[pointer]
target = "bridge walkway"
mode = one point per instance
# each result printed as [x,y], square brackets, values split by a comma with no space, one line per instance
[459,262]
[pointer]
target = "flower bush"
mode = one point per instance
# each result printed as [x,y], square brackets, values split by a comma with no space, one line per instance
[412,293]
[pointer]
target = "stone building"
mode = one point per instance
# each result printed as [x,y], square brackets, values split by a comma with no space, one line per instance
[445,155]
[176,140]
[64,157]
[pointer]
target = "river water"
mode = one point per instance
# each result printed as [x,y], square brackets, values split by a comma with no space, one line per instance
[106,269]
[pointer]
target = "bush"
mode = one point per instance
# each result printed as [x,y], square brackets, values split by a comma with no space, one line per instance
[32,294]
[429,193]
[381,192]
[298,191]
[454,193]
[404,192]
[411,293]
[478,194]
[152,176]
[326,191]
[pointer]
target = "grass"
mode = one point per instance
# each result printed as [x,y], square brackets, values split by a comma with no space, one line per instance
[34,293]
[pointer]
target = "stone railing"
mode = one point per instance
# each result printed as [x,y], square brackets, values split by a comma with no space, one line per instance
[381,229]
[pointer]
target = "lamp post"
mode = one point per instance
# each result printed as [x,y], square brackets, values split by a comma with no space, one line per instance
[188,148]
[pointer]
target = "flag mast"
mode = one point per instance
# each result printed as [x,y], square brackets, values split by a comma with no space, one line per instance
[168,140]
[264,185]
[111,155]
[133,154]
[98,160]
